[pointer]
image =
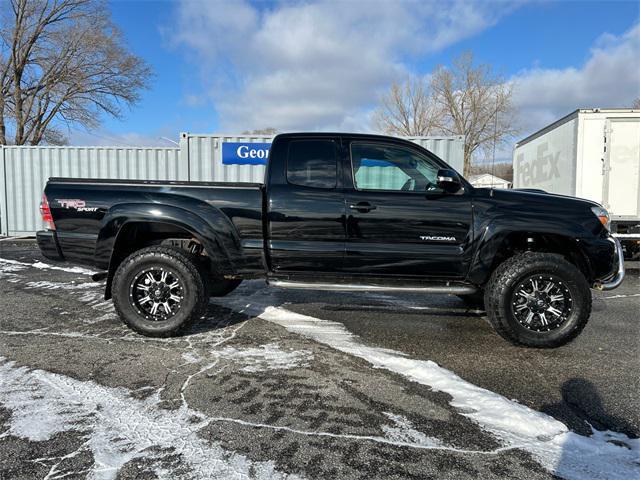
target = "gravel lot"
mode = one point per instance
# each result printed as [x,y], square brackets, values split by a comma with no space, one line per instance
[284,384]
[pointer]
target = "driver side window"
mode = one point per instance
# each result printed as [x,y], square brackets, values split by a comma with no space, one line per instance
[390,167]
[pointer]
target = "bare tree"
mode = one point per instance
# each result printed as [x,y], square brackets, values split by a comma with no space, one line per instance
[464,100]
[408,109]
[474,102]
[636,104]
[63,63]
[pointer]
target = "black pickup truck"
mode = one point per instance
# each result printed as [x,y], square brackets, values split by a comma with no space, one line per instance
[344,212]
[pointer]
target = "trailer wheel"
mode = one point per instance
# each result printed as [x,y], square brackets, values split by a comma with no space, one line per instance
[538,300]
[158,291]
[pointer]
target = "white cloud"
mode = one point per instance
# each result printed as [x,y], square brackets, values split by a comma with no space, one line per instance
[610,77]
[315,65]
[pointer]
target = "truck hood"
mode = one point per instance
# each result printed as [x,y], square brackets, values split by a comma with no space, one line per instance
[534,196]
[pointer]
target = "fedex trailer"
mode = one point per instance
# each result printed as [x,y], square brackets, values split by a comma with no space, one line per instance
[592,154]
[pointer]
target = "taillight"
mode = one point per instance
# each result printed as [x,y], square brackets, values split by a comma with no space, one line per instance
[45,211]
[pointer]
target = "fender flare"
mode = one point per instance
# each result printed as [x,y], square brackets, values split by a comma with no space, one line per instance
[216,232]
[492,236]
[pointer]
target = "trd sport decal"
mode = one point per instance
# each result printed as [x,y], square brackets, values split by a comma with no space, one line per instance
[76,204]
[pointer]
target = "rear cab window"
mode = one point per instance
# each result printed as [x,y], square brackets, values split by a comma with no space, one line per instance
[312,163]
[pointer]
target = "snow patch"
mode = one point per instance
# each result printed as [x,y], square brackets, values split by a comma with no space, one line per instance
[89,293]
[622,296]
[60,285]
[116,427]
[47,266]
[8,269]
[403,431]
[191,357]
[266,357]
[560,451]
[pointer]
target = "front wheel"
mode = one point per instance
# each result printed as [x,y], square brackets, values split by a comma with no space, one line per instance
[538,300]
[158,291]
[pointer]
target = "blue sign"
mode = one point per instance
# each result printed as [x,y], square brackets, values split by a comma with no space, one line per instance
[368,162]
[245,153]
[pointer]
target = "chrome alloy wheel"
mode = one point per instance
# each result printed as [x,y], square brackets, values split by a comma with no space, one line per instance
[156,294]
[541,303]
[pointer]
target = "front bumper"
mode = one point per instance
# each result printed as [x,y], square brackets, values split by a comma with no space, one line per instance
[615,279]
[48,244]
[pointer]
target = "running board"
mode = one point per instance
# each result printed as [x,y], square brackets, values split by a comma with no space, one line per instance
[349,287]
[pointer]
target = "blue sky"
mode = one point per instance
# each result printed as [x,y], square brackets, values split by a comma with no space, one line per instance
[223,66]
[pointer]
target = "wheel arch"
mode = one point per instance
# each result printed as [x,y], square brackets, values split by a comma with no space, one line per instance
[127,229]
[495,249]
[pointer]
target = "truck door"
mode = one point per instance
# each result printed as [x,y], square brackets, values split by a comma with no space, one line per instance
[306,213]
[398,221]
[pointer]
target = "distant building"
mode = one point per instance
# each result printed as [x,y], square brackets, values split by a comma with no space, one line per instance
[486,180]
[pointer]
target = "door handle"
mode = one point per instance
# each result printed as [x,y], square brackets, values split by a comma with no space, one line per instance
[363,207]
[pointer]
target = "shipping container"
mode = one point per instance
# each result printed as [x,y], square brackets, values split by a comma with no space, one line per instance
[592,154]
[24,171]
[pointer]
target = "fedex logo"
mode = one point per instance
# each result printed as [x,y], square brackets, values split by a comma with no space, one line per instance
[541,169]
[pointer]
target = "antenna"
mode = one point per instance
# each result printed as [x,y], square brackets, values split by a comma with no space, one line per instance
[169,140]
[495,133]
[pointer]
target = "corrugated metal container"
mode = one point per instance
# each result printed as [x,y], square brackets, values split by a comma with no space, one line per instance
[449,149]
[24,171]
[592,154]
[205,156]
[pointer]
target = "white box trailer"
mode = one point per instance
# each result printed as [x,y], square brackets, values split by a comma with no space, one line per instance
[592,154]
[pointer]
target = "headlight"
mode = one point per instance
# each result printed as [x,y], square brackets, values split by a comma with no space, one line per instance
[602,215]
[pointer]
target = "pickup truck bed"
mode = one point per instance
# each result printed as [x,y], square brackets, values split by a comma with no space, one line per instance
[88,216]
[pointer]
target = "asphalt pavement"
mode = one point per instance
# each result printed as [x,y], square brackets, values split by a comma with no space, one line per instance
[284,384]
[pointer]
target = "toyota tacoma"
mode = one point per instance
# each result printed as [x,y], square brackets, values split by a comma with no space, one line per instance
[343,212]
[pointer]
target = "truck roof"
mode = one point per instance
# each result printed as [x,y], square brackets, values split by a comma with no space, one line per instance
[359,135]
[571,116]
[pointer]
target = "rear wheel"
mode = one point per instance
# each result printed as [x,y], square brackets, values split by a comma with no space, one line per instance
[158,291]
[538,300]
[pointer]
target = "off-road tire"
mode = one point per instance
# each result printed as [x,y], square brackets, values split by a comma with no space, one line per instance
[222,287]
[503,281]
[182,265]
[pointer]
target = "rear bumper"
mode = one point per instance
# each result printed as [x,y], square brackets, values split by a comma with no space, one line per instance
[617,276]
[48,244]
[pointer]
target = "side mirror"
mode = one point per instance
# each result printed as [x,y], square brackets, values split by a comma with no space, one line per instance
[449,180]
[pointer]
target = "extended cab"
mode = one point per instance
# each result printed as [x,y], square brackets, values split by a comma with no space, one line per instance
[338,212]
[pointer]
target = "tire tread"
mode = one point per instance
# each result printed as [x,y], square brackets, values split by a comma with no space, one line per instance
[514,267]
[177,255]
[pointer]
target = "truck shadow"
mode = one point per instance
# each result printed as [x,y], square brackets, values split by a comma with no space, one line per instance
[219,316]
[581,409]
[216,318]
